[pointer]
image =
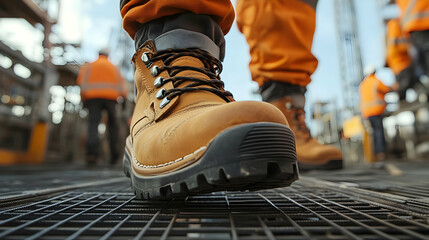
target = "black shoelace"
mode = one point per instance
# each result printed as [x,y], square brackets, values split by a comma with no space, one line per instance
[212,69]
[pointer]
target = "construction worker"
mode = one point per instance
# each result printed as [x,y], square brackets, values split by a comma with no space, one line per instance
[101,85]
[372,105]
[187,133]
[397,57]
[414,19]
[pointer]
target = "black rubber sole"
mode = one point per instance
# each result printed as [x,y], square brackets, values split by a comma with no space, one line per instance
[250,156]
[330,165]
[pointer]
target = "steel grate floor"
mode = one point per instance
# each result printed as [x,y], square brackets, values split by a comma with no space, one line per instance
[100,205]
[290,213]
[23,179]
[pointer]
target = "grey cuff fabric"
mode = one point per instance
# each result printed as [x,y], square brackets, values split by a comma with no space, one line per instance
[273,90]
[180,38]
[312,3]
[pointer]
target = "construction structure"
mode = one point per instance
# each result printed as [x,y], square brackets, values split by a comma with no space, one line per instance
[349,55]
[41,112]
[25,90]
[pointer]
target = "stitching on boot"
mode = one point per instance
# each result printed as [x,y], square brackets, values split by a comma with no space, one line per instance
[172,162]
[144,82]
[148,111]
[187,109]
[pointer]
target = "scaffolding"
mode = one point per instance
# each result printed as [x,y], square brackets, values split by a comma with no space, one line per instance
[349,55]
[25,98]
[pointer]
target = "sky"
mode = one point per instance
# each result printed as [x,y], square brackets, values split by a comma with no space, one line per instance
[92,23]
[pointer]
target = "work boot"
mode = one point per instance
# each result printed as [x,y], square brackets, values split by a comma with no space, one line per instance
[189,136]
[311,154]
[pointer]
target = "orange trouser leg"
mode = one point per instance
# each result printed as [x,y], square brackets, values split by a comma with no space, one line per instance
[136,12]
[280,36]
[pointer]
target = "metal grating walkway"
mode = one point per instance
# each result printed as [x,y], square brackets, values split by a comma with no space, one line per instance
[310,209]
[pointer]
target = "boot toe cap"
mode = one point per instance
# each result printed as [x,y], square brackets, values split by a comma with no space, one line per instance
[186,132]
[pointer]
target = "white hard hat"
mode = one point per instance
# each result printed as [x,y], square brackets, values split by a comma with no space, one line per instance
[369,69]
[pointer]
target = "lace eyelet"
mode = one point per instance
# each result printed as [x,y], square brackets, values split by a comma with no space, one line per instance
[161,93]
[145,58]
[154,71]
[164,102]
[216,69]
[159,81]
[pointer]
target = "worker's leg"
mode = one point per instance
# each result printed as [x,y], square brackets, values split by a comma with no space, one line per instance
[110,107]
[92,143]
[420,40]
[280,35]
[379,142]
[187,134]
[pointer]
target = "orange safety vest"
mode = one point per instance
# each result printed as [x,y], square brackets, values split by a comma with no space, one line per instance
[414,15]
[101,79]
[397,56]
[372,92]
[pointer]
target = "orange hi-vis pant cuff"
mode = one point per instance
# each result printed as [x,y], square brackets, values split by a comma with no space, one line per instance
[280,36]
[137,12]
[279,32]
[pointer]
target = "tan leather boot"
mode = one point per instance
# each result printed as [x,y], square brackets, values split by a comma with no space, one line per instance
[311,154]
[189,136]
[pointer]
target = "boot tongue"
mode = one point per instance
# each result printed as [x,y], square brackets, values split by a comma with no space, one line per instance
[193,62]
[197,97]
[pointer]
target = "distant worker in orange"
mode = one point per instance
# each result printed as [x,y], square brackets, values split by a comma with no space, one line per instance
[414,19]
[101,85]
[398,58]
[372,105]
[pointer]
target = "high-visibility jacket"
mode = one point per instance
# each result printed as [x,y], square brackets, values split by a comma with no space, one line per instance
[372,92]
[101,79]
[398,42]
[414,15]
